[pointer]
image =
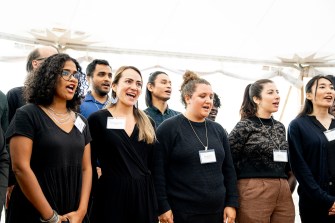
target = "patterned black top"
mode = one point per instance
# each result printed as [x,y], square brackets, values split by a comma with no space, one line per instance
[252,142]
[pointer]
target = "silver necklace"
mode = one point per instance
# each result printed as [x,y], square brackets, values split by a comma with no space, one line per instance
[206,147]
[58,113]
[273,141]
[58,120]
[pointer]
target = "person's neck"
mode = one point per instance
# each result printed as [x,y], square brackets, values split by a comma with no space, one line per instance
[264,115]
[160,104]
[190,116]
[320,112]
[58,106]
[119,110]
[100,98]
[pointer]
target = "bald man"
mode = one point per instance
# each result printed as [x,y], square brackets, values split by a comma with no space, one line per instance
[34,60]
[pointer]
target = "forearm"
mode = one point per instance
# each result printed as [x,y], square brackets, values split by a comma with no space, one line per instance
[86,181]
[85,190]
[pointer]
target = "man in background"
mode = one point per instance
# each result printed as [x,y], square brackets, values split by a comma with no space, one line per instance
[215,109]
[99,77]
[34,60]
[158,92]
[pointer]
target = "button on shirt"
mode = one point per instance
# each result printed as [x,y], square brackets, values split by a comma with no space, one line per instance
[159,117]
[90,105]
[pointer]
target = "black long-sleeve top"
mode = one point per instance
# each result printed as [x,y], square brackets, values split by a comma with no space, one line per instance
[308,151]
[184,184]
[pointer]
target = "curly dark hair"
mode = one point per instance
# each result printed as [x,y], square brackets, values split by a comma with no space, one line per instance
[40,85]
[216,100]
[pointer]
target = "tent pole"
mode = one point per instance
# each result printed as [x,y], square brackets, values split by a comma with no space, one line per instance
[286,99]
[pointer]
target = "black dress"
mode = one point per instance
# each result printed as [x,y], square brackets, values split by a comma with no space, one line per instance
[124,192]
[56,160]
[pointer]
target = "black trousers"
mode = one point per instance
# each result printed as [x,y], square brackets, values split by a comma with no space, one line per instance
[179,217]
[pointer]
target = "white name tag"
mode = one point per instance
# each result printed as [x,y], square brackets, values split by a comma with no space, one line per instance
[207,156]
[80,124]
[116,123]
[280,155]
[330,134]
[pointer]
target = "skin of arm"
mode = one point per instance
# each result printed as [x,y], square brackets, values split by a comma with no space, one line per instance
[78,216]
[292,182]
[21,150]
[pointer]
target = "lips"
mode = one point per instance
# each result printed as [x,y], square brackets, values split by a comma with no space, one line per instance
[71,88]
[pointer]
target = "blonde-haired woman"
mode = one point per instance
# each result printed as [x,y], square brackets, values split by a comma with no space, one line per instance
[123,138]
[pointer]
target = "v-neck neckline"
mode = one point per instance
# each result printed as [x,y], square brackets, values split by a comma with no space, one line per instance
[132,132]
[50,119]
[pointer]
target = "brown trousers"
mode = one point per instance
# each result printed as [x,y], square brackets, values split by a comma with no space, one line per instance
[265,200]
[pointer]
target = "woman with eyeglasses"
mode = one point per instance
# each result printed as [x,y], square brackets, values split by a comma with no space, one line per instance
[50,147]
[123,139]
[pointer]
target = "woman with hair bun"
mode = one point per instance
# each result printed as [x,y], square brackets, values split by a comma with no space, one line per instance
[194,175]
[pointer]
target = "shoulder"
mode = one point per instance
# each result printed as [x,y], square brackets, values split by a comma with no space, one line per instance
[299,121]
[173,112]
[15,91]
[2,95]
[98,114]
[30,107]
[172,122]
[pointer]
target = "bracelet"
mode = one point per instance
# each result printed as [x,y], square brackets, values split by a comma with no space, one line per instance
[53,219]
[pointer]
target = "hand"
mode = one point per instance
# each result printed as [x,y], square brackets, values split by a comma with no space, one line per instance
[332,210]
[167,217]
[72,217]
[230,213]
[8,194]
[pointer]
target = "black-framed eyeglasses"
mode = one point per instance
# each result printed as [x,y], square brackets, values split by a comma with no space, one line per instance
[67,75]
[41,59]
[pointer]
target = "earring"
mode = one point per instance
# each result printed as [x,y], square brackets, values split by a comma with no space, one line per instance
[114,100]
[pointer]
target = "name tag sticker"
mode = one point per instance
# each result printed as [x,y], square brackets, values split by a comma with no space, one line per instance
[280,155]
[116,123]
[330,134]
[207,156]
[80,124]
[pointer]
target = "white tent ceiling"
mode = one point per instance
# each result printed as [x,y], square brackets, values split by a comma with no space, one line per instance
[259,30]
[240,38]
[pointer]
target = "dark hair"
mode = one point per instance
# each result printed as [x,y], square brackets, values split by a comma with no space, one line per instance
[91,66]
[249,107]
[308,105]
[216,100]
[40,85]
[189,84]
[151,80]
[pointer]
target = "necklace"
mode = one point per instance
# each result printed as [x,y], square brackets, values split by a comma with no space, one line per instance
[58,113]
[206,147]
[60,118]
[273,141]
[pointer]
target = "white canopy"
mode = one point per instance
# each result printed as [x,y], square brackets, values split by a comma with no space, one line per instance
[232,42]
